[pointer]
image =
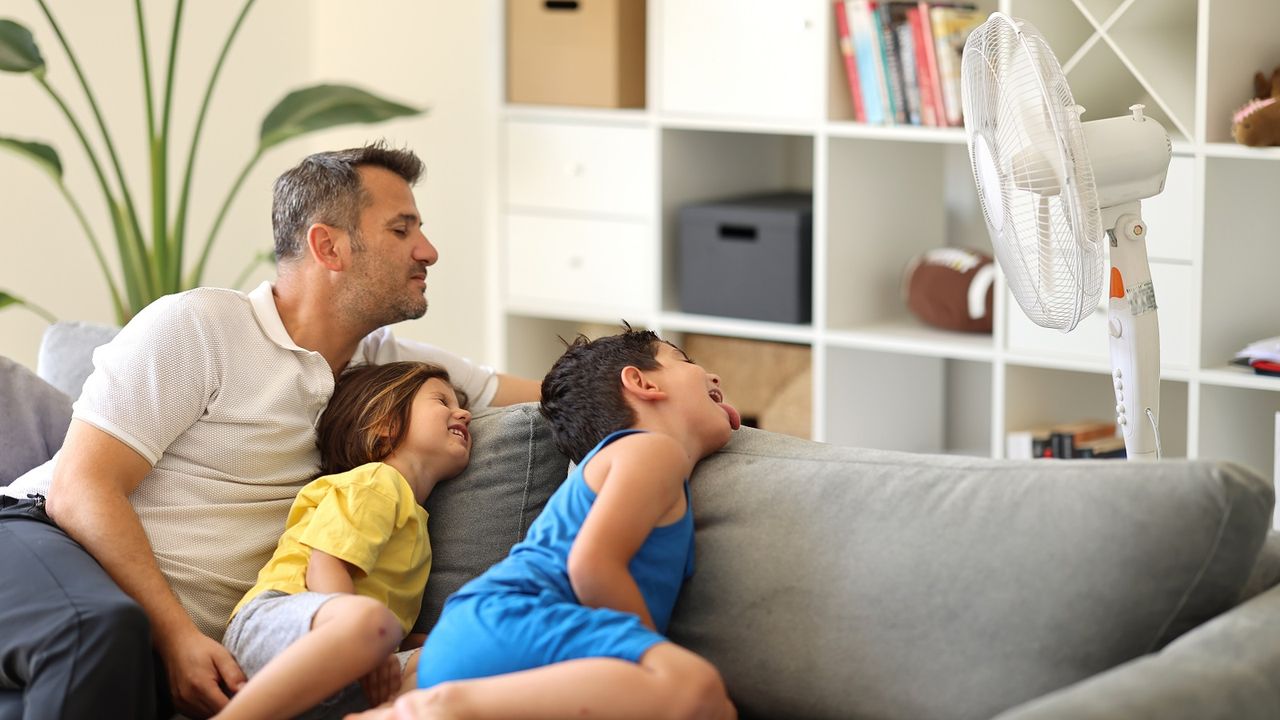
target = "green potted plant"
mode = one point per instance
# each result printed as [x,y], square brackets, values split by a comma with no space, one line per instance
[152,251]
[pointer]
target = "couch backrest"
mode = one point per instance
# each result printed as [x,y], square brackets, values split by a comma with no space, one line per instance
[838,582]
[66,353]
[33,420]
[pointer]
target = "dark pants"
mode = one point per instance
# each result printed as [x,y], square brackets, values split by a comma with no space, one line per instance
[72,644]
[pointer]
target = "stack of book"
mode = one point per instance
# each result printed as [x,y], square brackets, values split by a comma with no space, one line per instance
[1087,439]
[902,59]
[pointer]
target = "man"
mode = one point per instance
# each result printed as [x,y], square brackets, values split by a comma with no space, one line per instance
[189,442]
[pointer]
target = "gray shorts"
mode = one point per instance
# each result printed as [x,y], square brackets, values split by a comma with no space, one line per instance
[272,622]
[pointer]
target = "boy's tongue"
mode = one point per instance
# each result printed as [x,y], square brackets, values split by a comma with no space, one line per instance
[735,420]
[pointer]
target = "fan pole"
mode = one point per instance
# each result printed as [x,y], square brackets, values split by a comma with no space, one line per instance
[1134,332]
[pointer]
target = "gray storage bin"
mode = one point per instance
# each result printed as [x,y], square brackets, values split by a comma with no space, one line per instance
[748,257]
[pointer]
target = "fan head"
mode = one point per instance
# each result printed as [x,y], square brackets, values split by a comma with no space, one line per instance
[1031,165]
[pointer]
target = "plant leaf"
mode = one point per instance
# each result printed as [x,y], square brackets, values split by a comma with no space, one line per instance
[325,106]
[39,153]
[18,51]
[6,300]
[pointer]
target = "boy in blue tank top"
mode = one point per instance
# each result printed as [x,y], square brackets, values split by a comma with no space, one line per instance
[570,623]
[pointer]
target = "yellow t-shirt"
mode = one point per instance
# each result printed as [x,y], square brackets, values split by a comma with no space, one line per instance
[367,517]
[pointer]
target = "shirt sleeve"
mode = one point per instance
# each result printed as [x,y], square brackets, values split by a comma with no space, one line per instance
[153,380]
[479,382]
[352,523]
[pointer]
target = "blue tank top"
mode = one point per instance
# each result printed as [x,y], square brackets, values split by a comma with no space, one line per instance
[539,563]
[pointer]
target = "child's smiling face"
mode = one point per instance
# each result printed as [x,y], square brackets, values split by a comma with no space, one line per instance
[439,429]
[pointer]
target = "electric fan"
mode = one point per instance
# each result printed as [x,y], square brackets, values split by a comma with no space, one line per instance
[1052,191]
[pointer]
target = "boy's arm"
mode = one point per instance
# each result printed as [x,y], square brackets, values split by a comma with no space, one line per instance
[328,574]
[644,480]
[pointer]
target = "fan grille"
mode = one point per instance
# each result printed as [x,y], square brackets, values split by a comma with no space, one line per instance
[1032,167]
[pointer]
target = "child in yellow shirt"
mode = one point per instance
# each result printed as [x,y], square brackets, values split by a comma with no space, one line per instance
[346,581]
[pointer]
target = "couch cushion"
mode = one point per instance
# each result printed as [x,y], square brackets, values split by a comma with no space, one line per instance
[838,582]
[33,420]
[66,353]
[476,517]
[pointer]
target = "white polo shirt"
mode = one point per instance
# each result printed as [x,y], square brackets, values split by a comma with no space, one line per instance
[211,390]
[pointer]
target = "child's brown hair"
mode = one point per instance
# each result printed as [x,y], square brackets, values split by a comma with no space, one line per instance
[368,415]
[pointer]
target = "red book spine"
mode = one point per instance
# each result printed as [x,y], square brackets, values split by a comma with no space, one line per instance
[935,102]
[850,62]
[922,37]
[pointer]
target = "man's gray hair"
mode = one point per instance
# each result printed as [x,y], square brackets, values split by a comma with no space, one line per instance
[326,188]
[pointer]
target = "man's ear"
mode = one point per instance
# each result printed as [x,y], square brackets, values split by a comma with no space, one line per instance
[328,246]
[639,384]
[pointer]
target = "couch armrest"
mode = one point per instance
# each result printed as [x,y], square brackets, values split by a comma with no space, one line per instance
[1226,669]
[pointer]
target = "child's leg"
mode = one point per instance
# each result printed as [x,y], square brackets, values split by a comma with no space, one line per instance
[350,635]
[668,682]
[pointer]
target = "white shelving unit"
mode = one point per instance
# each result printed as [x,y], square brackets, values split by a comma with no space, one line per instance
[590,198]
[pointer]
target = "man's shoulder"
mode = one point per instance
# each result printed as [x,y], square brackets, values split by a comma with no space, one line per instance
[198,306]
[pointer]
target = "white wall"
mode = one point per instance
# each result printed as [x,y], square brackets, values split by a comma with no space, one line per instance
[433,53]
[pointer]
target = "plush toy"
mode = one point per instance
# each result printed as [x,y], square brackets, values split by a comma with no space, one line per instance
[1258,122]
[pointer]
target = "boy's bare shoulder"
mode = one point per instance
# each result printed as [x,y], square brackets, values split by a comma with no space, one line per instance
[647,444]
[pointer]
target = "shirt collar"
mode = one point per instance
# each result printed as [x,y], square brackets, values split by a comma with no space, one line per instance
[263,300]
[264,307]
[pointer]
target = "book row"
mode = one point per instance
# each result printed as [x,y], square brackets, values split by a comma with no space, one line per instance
[902,59]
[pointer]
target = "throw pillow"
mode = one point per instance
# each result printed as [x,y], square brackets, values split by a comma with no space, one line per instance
[475,518]
[33,420]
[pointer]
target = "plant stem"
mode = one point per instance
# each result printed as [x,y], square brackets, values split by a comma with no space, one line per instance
[170,271]
[128,253]
[198,271]
[117,305]
[180,222]
[50,317]
[150,275]
[157,210]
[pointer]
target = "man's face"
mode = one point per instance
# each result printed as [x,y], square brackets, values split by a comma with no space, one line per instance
[388,278]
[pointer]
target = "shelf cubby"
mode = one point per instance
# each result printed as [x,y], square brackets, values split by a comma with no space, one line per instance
[908,402]
[1037,397]
[1239,424]
[704,165]
[888,202]
[1241,255]
[1242,41]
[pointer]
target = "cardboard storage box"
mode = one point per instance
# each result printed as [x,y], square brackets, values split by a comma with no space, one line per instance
[576,52]
[748,257]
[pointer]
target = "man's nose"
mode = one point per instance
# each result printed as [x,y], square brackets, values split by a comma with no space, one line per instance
[425,252]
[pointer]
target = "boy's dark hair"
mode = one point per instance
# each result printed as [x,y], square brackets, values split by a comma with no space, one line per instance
[368,415]
[582,394]
[326,188]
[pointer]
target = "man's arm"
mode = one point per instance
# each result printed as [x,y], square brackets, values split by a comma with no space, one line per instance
[88,498]
[512,390]
[642,482]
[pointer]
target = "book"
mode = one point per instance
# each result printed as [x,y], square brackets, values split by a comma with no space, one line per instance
[889,14]
[1106,447]
[850,61]
[1067,436]
[951,27]
[923,39]
[910,82]
[931,60]
[866,48]
[1028,444]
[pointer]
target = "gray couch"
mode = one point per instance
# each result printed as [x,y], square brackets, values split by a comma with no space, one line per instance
[837,582]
